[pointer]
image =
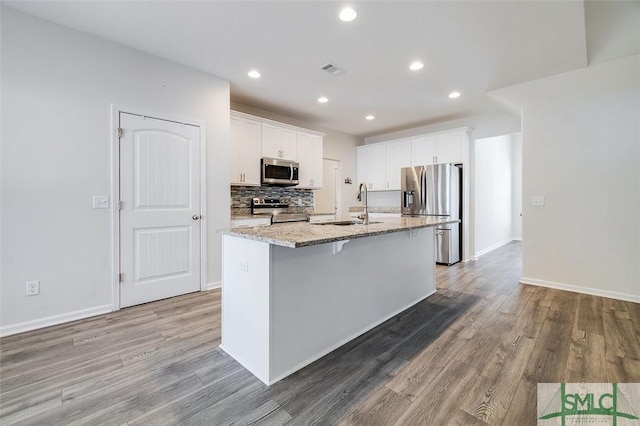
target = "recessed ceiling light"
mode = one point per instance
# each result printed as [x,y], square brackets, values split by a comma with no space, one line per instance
[323,100]
[415,66]
[454,95]
[254,74]
[369,117]
[348,14]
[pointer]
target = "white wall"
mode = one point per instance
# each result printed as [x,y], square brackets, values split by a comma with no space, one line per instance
[581,151]
[482,126]
[337,146]
[57,89]
[516,186]
[493,193]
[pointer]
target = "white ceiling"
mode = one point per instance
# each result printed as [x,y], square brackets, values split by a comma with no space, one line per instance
[471,47]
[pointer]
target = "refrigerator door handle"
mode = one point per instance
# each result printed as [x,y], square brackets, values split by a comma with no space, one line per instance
[423,189]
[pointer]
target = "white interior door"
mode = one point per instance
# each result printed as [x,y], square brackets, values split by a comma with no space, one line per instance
[159,217]
[328,199]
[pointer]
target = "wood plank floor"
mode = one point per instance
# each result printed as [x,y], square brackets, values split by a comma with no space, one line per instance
[471,354]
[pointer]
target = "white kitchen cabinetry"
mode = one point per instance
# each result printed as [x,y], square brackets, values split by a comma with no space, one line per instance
[245,151]
[437,148]
[449,147]
[423,150]
[248,222]
[371,166]
[379,164]
[254,137]
[310,158]
[279,142]
[397,156]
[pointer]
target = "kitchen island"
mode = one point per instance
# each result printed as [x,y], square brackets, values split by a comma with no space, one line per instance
[294,292]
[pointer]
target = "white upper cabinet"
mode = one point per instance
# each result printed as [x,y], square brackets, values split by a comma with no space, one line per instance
[379,164]
[254,137]
[423,150]
[449,147]
[437,148]
[279,142]
[398,155]
[372,166]
[245,151]
[310,153]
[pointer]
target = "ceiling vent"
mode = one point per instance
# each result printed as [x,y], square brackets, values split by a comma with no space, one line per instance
[333,69]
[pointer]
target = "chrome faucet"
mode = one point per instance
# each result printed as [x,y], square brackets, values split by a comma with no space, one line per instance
[362,196]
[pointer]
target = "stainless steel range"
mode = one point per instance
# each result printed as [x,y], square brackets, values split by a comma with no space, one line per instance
[278,211]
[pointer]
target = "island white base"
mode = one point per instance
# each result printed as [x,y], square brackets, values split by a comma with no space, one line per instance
[283,308]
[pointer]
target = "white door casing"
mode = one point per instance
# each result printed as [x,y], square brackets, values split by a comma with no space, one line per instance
[161,206]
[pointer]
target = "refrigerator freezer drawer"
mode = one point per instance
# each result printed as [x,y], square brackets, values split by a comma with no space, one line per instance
[447,246]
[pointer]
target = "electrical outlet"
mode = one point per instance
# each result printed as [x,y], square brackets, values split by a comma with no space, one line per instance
[537,200]
[244,265]
[100,201]
[33,288]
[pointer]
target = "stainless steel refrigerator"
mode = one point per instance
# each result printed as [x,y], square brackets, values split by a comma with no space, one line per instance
[435,191]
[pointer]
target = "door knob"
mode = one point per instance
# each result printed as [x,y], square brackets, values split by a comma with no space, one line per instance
[195,217]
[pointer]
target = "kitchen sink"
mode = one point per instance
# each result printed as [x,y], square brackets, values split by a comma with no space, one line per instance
[344,222]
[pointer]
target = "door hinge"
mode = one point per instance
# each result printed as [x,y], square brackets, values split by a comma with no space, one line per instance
[120,132]
[120,204]
[121,278]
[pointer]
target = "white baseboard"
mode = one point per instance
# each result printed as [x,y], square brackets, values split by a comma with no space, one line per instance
[583,290]
[7,330]
[493,247]
[214,285]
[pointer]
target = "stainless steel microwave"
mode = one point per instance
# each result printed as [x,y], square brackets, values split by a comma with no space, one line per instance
[276,172]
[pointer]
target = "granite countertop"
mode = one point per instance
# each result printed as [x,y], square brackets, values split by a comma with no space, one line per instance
[302,234]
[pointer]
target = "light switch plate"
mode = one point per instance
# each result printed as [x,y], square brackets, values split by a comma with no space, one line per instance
[537,200]
[100,201]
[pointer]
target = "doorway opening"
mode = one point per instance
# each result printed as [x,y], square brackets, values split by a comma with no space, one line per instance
[329,198]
